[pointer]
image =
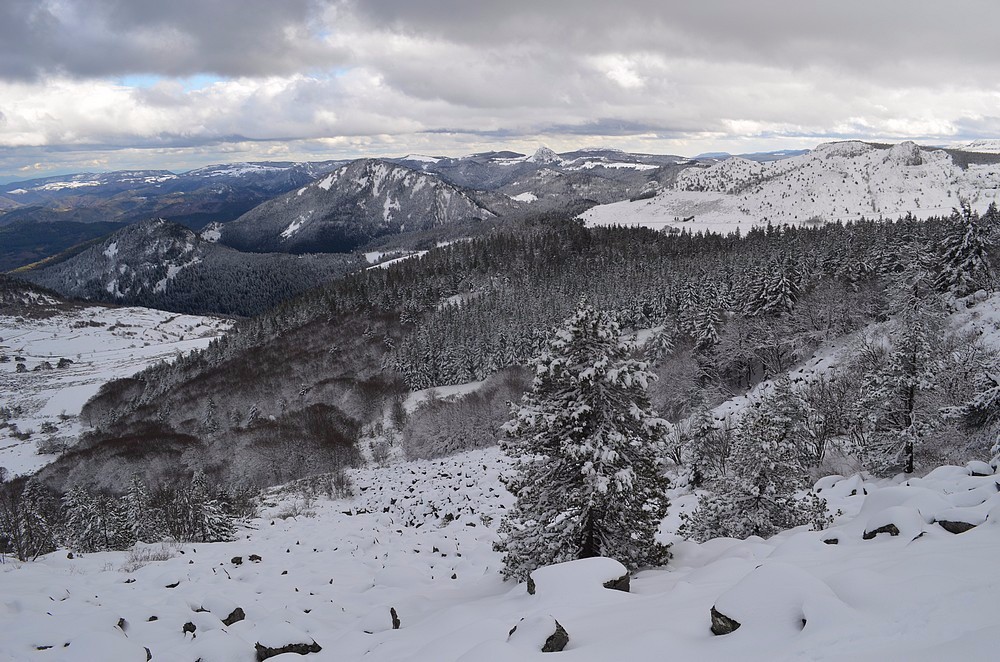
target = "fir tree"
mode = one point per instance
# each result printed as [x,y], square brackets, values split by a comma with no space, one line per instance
[29,519]
[896,416]
[205,518]
[659,347]
[760,494]
[587,446]
[964,266]
[145,522]
[95,522]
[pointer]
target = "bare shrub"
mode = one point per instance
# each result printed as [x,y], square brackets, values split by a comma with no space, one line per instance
[441,427]
[142,555]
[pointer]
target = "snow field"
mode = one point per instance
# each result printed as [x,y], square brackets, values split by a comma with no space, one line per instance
[417,538]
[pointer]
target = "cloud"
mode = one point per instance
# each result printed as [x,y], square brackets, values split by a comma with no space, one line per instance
[342,77]
[95,38]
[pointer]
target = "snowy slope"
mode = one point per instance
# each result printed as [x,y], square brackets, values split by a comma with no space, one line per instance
[836,181]
[988,145]
[102,343]
[417,541]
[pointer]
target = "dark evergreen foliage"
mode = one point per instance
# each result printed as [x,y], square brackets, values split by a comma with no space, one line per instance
[587,447]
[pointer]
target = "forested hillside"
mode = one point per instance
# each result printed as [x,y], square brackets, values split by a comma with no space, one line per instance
[164,265]
[726,312]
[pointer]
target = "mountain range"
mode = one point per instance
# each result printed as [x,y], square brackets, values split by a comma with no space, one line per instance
[42,217]
[414,202]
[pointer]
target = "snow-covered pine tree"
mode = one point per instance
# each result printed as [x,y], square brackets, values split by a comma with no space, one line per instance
[699,443]
[29,519]
[964,265]
[659,346]
[79,508]
[95,522]
[893,404]
[759,495]
[145,522]
[587,446]
[206,519]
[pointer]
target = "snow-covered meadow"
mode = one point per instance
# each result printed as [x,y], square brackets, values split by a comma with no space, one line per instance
[103,343]
[415,544]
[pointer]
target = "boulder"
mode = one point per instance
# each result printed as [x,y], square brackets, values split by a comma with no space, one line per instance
[265,652]
[582,574]
[540,633]
[236,616]
[907,521]
[774,599]
[891,529]
[978,468]
[955,527]
[722,624]
[278,638]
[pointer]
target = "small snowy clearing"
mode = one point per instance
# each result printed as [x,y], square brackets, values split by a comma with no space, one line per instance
[388,263]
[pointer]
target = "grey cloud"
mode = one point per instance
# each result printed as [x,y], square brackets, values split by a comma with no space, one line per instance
[91,38]
[857,34]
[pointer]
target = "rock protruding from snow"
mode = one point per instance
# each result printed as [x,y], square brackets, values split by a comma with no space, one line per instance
[540,633]
[582,574]
[979,468]
[905,521]
[282,638]
[905,154]
[722,624]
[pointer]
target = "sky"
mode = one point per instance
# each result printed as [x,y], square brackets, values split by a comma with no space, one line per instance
[95,85]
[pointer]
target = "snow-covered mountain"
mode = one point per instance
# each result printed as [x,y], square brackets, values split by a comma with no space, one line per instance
[834,182]
[165,265]
[593,173]
[128,195]
[356,203]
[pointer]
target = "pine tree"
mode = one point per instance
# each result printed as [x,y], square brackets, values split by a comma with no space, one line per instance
[204,516]
[896,417]
[587,446]
[79,508]
[759,496]
[95,522]
[964,265]
[145,522]
[659,346]
[29,519]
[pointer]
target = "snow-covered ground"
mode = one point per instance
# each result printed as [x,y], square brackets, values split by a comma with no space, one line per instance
[416,542]
[103,343]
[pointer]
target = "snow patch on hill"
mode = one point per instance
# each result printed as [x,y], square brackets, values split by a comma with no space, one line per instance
[102,344]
